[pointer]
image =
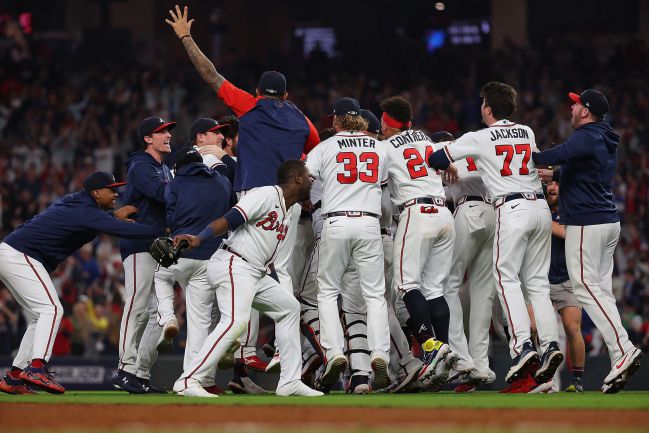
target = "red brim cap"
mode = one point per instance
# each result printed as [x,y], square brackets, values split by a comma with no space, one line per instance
[116,185]
[217,127]
[169,125]
[574,97]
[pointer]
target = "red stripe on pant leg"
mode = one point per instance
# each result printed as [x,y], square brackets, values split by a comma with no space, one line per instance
[226,329]
[49,339]
[581,263]
[130,308]
[502,289]
[403,243]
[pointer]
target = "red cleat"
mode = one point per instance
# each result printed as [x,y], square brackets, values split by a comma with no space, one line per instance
[255,363]
[522,385]
[464,388]
[9,385]
[41,378]
[214,389]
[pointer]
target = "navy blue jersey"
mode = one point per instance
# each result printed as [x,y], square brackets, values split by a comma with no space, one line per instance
[67,225]
[558,269]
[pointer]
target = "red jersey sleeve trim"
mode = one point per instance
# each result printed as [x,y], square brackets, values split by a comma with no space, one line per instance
[236,99]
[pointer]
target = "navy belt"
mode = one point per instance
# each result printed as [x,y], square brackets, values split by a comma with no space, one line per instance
[474,198]
[437,201]
[351,214]
[518,196]
[231,251]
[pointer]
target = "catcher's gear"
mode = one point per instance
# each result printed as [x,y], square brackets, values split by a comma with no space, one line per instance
[164,252]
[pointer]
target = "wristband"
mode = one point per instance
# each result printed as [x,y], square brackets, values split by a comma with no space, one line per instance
[206,233]
[186,36]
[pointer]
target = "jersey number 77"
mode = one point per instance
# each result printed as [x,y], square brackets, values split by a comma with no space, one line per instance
[508,151]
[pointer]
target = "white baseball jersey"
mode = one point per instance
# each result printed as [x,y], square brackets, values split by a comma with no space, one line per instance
[409,174]
[351,166]
[503,153]
[267,222]
[469,182]
[210,160]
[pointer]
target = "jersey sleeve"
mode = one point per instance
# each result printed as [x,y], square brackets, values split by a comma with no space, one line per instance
[147,181]
[254,204]
[211,161]
[101,221]
[236,99]
[313,162]
[461,148]
[313,139]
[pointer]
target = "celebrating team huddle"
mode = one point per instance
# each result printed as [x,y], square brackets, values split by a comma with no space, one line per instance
[372,205]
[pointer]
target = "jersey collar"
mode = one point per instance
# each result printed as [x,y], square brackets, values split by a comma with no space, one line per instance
[503,122]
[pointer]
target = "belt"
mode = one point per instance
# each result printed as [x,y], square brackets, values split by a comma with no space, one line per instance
[351,214]
[474,198]
[386,231]
[437,201]
[233,252]
[518,196]
[317,206]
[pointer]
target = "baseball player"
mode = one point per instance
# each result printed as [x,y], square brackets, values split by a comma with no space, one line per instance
[36,248]
[239,271]
[472,256]
[503,152]
[207,136]
[231,135]
[351,168]
[139,332]
[562,295]
[423,242]
[588,160]
[189,210]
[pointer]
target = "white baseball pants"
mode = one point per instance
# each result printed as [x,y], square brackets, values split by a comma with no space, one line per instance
[239,286]
[31,286]
[589,257]
[522,245]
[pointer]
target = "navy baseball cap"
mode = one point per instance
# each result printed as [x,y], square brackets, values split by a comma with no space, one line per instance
[345,106]
[272,83]
[374,126]
[154,124]
[186,155]
[592,99]
[99,180]
[440,136]
[206,124]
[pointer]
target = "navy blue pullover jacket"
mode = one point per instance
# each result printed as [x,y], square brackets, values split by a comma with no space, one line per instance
[147,179]
[588,160]
[67,225]
[196,197]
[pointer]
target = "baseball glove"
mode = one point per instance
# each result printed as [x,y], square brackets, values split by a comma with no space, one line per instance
[164,252]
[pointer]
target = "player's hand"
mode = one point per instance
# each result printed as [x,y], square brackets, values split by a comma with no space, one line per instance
[212,149]
[450,175]
[179,22]
[193,241]
[545,174]
[123,213]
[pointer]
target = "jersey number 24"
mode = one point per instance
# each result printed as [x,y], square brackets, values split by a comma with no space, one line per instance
[351,173]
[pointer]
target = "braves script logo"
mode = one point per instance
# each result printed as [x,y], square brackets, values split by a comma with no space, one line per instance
[270,223]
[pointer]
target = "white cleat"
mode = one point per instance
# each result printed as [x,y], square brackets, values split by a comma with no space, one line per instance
[274,366]
[169,332]
[332,370]
[193,389]
[297,388]
[381,378]
[627,365]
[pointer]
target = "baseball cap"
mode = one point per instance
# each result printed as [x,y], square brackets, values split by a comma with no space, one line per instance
[592,99]
[99,180]
[272,83]
[186,155]
[153,124]
[206,124]
[374,126]
[345,106]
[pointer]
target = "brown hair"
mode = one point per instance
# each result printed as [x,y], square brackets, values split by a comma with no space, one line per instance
[500,97]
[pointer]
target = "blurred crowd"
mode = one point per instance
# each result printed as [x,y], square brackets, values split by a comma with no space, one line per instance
[62,117]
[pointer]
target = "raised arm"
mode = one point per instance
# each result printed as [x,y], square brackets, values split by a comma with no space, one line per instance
[203,65]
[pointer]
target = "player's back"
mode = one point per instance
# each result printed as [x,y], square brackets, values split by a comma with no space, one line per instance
[409,174]
[469,183]
[505,158]
[351,166]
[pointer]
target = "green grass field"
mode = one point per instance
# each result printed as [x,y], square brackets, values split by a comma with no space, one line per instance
[476,400]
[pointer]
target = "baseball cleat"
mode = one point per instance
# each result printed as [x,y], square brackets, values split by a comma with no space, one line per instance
[269,349]
[148,388]
[359,384]
[9,385]
[522,362]
[626,365]
[575,387]
[274,366]
[464,388]
[311,366]
[522,385]
[332,370]
[615,386]
[434,352]
[404,382]
[245,385]
[544,388]
[381,377]
[297,388]
[198,391]
[214,389]
[550,362]
[227,360]
[169,332]
[253,362]
[126,381]
[41,378]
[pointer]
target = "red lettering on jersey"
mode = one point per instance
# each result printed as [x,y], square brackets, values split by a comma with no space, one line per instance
[471,164]
[508,150]
[270,223]
[416,165]
[350,165]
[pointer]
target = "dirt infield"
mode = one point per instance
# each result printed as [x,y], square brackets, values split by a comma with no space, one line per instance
[89,417]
